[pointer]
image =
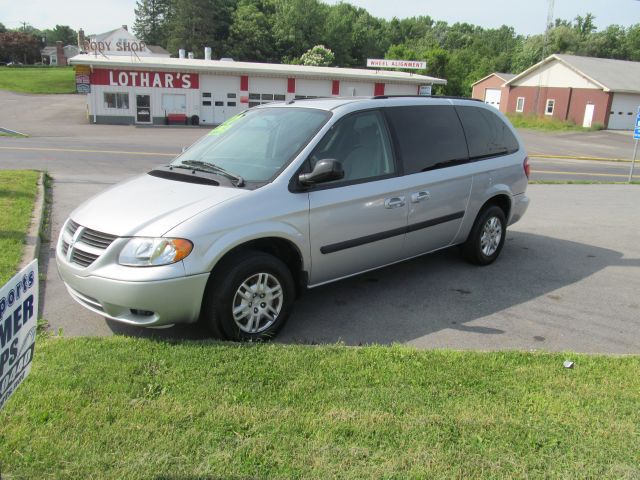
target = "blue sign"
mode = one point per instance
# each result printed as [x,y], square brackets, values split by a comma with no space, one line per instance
[636,131]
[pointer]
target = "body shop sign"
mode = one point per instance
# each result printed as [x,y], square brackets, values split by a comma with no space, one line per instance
[128,78]
[18,313]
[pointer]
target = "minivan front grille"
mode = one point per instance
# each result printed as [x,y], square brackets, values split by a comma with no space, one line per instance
[96,239]
[83,258]
[86,245]
[72,227]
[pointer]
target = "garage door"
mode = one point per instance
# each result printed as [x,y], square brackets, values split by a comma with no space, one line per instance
[492,97]
[624,108]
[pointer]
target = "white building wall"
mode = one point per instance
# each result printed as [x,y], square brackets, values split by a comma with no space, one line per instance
[555,74]
[398,89]
[314,88]
[267,85]
[356,89]
[97,104]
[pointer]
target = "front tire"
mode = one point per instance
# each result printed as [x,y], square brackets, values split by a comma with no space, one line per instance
[249,297]
[487,237]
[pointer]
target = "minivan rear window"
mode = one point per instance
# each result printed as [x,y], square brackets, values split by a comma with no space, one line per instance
[487,135]
[429,137]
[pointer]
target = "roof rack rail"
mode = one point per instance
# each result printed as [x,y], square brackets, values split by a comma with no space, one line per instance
[450,97]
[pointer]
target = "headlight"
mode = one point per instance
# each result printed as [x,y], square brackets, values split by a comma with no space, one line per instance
[149,252]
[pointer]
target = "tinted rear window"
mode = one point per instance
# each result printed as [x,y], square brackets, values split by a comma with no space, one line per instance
[428,136]
[487,135]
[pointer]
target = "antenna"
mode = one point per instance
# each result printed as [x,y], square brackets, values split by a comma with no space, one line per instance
[549,27]
[550,14]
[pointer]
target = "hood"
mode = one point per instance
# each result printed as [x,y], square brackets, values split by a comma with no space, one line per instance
[149,206]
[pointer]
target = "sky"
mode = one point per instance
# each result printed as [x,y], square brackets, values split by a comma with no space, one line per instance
[526,16]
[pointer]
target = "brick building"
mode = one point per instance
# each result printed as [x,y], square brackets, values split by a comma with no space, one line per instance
[586,90]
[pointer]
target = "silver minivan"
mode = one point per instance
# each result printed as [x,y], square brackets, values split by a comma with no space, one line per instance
[290,196]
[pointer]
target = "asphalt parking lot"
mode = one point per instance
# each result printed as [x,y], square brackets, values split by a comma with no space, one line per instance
[568,278]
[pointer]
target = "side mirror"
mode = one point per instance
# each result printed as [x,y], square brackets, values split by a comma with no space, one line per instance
[324,170]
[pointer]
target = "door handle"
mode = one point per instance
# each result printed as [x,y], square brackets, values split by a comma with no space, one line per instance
[419,196]
[394,202]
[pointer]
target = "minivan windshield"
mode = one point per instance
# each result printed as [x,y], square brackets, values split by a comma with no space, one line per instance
[255,144]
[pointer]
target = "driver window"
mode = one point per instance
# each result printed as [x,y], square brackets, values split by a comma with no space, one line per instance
[361,144]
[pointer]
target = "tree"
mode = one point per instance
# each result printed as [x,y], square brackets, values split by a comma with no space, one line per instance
[585,25]
[152,17]
[61,33]
[19,47]
[296,26]
[195,24]
[632,42]
[2,28]
[353,35]
[317,56]
[250,35]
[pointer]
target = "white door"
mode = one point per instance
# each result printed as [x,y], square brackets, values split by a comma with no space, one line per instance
[588,115]
[492,97]
[624,107]
[206,109]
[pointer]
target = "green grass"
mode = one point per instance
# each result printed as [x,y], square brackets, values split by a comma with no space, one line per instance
[15,135]
[125,408]
[38,79]
[17,195]
[535,122]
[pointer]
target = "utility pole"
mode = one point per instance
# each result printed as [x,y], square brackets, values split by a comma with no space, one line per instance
[545,50]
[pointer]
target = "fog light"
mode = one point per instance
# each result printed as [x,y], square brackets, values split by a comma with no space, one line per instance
[142,313]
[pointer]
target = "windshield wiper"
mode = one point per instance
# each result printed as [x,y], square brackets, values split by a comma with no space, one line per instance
[213,168]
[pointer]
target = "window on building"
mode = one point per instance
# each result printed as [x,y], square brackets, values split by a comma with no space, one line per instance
[231,95]
[219,104]
[551,103]
[116,100]
[262,98]
[231,104]
[520,105]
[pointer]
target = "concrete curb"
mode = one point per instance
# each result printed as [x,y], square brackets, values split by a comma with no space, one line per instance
[33,242]
[577,157]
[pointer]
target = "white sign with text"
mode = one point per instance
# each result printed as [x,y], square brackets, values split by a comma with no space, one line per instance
[18,317]
[385,63]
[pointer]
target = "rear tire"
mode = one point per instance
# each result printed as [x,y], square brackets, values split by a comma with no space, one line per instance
[487,236]
[248,298]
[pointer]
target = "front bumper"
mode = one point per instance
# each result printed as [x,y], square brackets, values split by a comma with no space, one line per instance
[150,303]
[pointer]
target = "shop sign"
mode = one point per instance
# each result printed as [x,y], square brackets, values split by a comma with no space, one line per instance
[127,78]
[385,63]
[83,79]
[18,314]
[119,46]
[425,90]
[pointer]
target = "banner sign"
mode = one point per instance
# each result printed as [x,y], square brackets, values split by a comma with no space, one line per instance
[128,78]
[425,90]
[18,316]
[83,79]
[384,63]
